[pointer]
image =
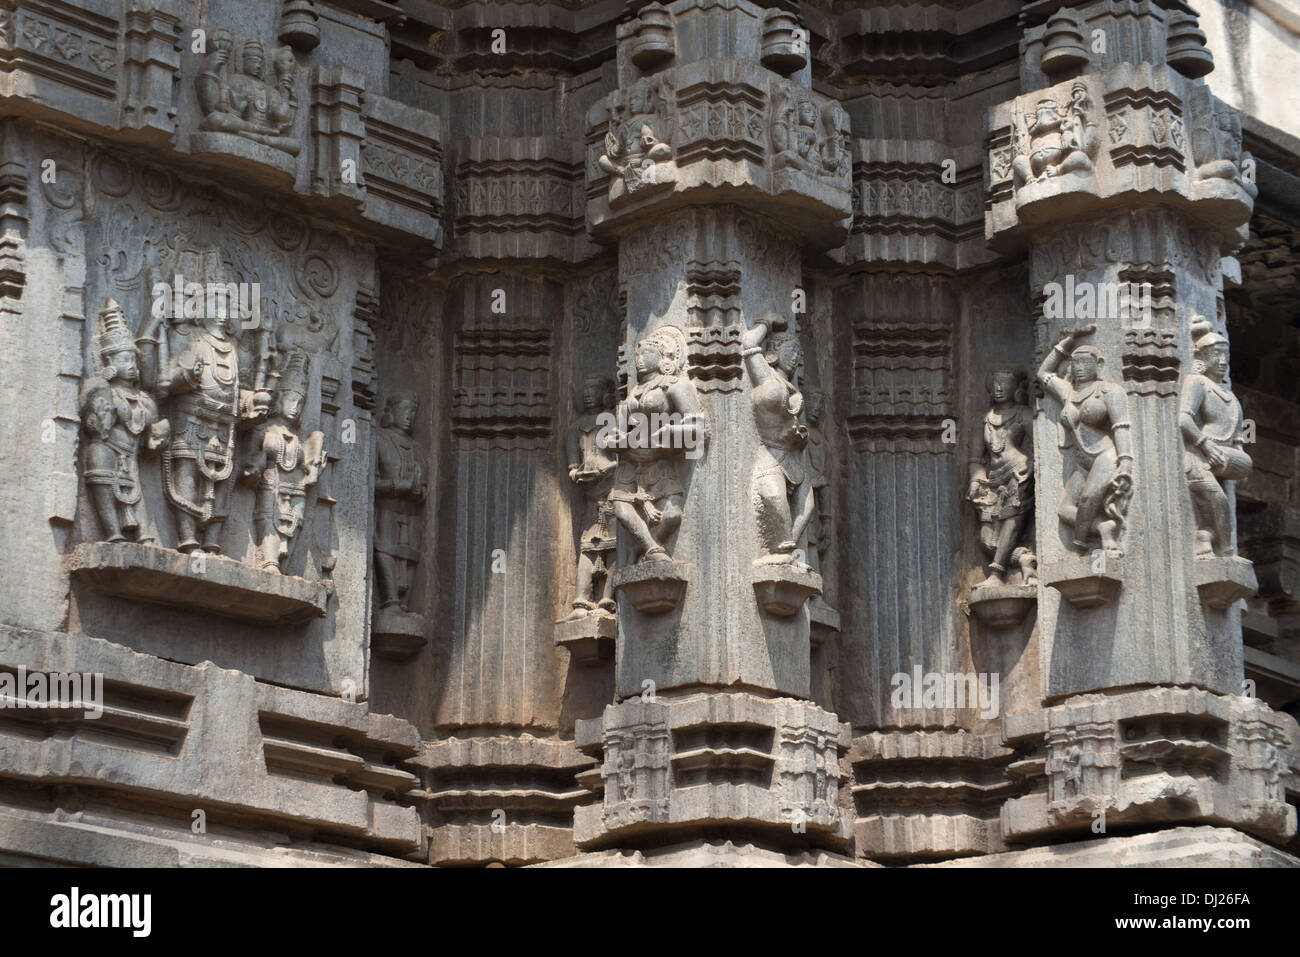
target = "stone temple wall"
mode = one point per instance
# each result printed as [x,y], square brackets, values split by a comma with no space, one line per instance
[686,432]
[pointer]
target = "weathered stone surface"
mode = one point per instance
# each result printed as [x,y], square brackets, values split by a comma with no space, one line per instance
[630,434]
[218,585]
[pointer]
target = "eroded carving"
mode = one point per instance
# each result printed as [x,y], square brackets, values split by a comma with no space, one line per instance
[637,155]
[806,136]
[283,466]
[591,468]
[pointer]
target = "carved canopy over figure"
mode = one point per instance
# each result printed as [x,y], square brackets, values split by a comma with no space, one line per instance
[236,97]
[1002,478]
[780,473]
[1094,420]
[591,468]
[658,423]
[401,487]
[118,417]
[1061,140]
[283,467]
[1210,419]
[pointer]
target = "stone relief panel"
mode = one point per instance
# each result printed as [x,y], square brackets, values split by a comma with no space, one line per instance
[209,379]
[1095,426]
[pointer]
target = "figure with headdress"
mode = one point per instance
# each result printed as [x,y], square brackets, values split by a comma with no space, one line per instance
[120,419]
[591,468]
[199,368]
[1002,478]
[283,466]
[401,487]
[657,424]
[238,98]
[1094,421]
[1063,139]
[1210,419]
[783,496]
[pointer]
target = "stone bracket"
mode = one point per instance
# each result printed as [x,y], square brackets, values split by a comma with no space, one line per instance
[199,582]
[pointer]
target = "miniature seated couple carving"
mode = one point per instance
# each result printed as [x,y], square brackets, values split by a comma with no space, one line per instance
[236,97]
[195,368]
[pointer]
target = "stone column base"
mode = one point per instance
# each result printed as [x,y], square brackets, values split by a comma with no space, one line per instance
[1151,757]
[676,765]
[1176,847]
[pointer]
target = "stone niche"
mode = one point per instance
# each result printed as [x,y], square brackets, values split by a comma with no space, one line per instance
[212,481]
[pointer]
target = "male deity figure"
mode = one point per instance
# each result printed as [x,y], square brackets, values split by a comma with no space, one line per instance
[246,103]
[1210,419]
[401,487]
[817,460]
[772,363]
[283,467]
[202,374]
[1059,142]
[118,417]
[1094,418]
[1002,478]
[647,496]
[591,468]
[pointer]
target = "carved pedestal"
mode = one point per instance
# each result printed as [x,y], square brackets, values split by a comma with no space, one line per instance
[765,764]
[1003,606]
[781,590]
[590,639]
[652,587]
[1223,581]
[1085,582]
[1098,762]
[398,634]
[207,583]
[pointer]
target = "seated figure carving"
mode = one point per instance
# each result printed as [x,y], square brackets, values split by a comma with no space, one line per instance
[239,98]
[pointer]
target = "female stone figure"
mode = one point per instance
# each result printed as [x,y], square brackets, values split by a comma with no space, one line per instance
[1094,419]
[780,472]
[118,417]
[400,490]
[591,468]
[658,423]
[283,467]
[1210,420]
[1002,478]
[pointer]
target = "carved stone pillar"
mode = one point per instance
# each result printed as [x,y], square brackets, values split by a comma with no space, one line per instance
[1124,178]
[712,174]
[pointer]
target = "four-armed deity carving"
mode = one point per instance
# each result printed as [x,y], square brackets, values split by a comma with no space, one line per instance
[238,98]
